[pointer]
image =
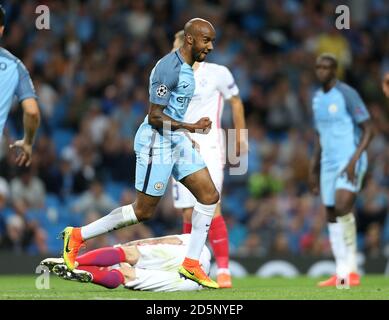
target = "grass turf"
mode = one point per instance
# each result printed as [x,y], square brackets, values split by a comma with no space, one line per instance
[373,287]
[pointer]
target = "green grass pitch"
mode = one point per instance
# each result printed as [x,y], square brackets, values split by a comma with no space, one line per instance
[373,287]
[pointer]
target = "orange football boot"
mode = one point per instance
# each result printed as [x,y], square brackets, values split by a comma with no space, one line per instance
[72,243]
[192,270]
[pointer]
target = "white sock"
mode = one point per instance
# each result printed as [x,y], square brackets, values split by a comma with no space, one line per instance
[201,221]
[339,249]
[350,239]
[223,270]
[116,219]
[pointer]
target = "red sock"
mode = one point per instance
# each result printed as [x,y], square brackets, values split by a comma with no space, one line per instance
[218,238]
[103,257]
[186,227]
[110,279]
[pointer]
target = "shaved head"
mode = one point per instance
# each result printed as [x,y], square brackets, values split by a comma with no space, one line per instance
[196,25]
[198,37]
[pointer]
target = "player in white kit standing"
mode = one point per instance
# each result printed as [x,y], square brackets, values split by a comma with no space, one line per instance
[214,85]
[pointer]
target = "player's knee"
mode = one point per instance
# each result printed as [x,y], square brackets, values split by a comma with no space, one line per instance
[342,209]
[143,212]
[210,198]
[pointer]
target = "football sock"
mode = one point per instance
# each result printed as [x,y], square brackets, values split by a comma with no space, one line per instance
[349,232]
[186,227]
[338,248]
[201,221]
[103,257]
[116,219]
[218,238]
[110,279]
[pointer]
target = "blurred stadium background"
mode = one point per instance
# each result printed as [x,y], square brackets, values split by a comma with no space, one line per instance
[91,74]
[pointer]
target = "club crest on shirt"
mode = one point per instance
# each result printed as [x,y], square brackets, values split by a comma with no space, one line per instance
[158,186]
[333,108]
[203,82]
[161,90]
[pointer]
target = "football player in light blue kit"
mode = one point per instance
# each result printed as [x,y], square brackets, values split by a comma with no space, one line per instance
[344,131]
[15,80]
[164,150]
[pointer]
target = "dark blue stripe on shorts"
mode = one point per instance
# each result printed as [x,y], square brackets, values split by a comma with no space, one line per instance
[150,163]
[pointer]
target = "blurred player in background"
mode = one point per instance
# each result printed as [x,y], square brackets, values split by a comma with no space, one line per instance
[214,84]
[385,84]
[163,150]
[344,131]
[15,80]
[149,264]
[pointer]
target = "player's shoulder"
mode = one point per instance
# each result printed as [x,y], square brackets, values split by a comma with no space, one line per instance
[170,62]
[345,88]
[317,93]
[4,53]
[214,67]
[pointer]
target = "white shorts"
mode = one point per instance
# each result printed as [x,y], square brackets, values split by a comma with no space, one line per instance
[160,281]
[182,197]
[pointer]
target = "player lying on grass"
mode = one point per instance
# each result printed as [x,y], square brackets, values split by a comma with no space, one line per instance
[149,264]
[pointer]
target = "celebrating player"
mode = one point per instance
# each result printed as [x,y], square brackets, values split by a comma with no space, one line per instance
[149,264]
[214,84]
[162,150]
[344,131]
[15,80]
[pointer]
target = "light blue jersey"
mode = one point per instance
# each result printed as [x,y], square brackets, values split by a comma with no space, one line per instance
[14,80]
[161,154]
[172,85]
[337,115]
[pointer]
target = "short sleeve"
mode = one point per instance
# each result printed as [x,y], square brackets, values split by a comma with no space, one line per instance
[25,88]
[355,105]
[226,83]
[163,80]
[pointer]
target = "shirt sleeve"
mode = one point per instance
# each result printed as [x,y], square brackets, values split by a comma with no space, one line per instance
[163,80]
[226,83]
[25,88]
[355,105]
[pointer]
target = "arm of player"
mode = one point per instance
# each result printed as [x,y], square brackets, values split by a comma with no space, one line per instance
[239,124]
[314,168]
[367,136]
[157,119]
[31,121]
[360,115]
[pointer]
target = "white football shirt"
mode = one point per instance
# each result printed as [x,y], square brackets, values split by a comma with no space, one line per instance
[214,84]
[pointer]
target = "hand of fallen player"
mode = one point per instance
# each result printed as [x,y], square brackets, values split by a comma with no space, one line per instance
[203,126]
[349,171]
[24,152]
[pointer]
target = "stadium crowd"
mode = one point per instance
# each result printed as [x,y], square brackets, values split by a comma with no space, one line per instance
[91,73]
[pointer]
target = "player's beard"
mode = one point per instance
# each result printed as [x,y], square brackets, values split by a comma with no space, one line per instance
[197,56]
